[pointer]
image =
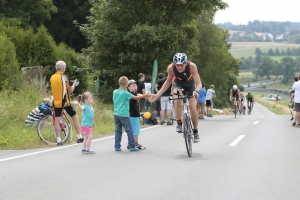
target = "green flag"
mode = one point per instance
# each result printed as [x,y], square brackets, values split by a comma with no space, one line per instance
[154,75]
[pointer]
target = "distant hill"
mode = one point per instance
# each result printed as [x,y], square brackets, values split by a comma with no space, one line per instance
[263,31]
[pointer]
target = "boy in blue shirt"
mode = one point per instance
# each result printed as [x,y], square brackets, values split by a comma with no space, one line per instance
[121,98]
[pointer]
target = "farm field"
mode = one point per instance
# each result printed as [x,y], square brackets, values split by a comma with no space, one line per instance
[246,49]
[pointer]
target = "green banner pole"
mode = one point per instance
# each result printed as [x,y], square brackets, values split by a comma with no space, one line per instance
[154,75]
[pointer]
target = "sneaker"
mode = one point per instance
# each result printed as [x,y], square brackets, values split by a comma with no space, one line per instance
[139,146]
[59,143]
[161,123]
[118,149]
[134,149]
[297,126]
[89,151]
[179,128]
[169,123]
[80,140]
[83,150]
[196,138]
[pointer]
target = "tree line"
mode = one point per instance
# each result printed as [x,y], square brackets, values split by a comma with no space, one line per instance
[115,38]
[277,52]
[265,66]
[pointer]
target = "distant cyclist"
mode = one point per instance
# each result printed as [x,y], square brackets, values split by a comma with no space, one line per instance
[250,100]
[186,77]
[242,101]
[235,93]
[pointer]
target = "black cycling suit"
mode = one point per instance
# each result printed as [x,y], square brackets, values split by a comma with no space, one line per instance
[235,94]
[184,80]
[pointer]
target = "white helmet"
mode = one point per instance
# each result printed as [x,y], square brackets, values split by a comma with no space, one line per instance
[179,58]
[234,87]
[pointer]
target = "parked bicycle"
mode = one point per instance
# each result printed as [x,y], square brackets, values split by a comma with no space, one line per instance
[187,126]
[46,131]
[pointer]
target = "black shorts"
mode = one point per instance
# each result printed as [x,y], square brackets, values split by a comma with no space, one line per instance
[250,100]
[236,96]
[297,107]
[187,86]
[69,109]
[157,105]
[208,103]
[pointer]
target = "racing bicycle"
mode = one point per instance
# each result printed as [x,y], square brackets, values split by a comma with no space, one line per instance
[46,131]
[187,126]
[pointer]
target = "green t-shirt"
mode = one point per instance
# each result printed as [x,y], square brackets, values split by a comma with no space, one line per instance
[121,102]
[249,96]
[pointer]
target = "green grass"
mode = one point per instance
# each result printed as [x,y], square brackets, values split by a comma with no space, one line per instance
[246,49]
[280,86]
[16,105]
[277,107]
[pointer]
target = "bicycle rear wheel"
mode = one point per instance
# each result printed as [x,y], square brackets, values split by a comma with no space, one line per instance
[187,132]
[46,132]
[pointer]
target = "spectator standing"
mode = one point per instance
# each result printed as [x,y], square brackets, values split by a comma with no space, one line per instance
[61,89]
[134,114]
[293,103]
[210,94]
[296,88]
[157,102]
[165,105]
[141,90]
[87,121]
[148,90]
[121,99]
[201,102]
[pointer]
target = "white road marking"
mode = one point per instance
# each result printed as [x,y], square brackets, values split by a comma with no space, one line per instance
[237,140]
[63,147]
[256,122]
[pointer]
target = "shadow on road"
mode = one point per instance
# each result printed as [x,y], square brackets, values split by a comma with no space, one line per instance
[195,157]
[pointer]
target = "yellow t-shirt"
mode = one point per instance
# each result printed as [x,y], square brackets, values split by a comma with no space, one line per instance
[60,85]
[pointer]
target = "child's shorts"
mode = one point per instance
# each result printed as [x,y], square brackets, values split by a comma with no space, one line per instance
[86,130]
[135,124]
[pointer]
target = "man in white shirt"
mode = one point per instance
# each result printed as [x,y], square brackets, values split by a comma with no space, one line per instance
[296,88]
[209,95]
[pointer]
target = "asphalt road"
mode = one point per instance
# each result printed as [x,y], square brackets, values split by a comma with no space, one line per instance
[251,157]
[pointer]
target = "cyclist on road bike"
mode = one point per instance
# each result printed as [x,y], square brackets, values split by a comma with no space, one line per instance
[250,99]
[235,93]
[186,77]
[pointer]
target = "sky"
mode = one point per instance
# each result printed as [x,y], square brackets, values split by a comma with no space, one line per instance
[243,11]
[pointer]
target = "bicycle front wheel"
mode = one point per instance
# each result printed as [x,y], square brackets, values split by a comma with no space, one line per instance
[234,111]
[187,132]
[46,132]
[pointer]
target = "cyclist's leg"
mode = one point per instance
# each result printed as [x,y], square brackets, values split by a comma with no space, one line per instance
[177,103]
[57,114]
[194,113]
[72,113]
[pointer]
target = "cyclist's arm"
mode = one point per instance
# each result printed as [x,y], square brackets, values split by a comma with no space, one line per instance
[71,88]
[230,96]
[168,82]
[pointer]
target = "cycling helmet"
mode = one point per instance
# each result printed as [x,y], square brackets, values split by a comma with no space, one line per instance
[249,92]
[234,87]
[180,58]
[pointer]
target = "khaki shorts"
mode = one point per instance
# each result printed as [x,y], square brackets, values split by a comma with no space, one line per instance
[165,103]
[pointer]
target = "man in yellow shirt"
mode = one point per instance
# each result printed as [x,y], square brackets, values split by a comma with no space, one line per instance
[61,90]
